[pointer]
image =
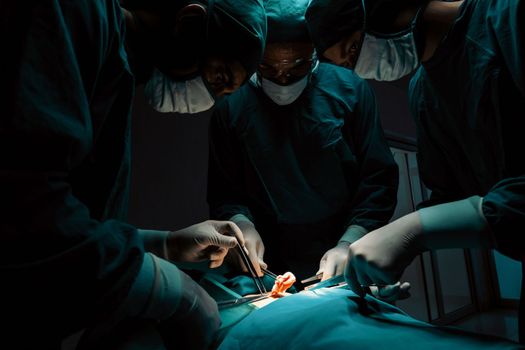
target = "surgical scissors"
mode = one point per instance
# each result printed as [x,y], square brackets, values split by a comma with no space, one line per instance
[339,281]
[313,278]
[251,269]
[269,273]
[238,301]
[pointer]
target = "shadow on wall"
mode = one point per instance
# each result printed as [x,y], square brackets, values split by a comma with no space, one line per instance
[170,158]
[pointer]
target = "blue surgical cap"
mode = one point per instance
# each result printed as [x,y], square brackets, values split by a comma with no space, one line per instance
[286,22]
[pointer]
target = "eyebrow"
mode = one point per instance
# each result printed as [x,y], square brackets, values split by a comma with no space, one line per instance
[295,62]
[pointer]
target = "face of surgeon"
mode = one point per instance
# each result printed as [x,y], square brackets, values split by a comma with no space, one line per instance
[437,15]
[224,75]
[345,52]
[286,63]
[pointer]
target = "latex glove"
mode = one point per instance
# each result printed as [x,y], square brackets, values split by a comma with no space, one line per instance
[333,261]
[382,255]
[391,292]
[209,240]
[459,224]
[254,245]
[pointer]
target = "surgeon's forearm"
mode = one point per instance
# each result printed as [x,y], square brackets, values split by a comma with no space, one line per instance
[155,242]
[459,224]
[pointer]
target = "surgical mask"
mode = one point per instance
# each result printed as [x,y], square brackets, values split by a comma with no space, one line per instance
[169,96]
[387,59]
[284,94]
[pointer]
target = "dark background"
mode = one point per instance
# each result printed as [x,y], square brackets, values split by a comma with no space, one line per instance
[170,155]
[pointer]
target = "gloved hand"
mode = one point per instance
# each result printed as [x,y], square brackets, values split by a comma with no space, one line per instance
[381,256]
[333,261]
[391,292]
[208,240]
[254,246]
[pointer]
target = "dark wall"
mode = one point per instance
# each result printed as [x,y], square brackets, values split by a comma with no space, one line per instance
[169,168]
[393,105]
[170,155]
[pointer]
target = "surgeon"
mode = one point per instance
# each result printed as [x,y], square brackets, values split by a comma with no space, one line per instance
[189,53]
[298,158]
[69,261]
[467,95]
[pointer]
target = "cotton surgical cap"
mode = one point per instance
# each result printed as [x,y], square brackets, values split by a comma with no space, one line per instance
[236,29]
[286,22]
[329,21]
[239,31]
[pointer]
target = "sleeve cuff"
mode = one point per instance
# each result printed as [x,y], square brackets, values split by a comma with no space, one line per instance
[237,218]
[155,242]
[459,224]
[353,233]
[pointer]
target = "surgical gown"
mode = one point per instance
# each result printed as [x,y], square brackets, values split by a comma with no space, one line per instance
[468,101]
[65,258]
[305,171]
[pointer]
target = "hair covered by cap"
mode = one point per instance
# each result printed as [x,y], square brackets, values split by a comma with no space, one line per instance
[238,31]
[329,21]
[237,28]
[286,22]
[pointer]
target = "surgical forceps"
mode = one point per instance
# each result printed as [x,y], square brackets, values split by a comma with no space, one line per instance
[251,269]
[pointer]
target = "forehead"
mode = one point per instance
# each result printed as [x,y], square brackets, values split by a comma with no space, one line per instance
[289,52]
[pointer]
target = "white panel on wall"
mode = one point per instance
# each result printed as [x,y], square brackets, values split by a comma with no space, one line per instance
[453,279]
[416,305]
[509,276]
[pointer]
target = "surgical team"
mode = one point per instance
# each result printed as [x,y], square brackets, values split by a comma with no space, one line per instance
[300,171]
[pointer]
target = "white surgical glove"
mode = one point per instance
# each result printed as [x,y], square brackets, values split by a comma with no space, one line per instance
[334,260]
[208,240]
[391,292]
[254,244]
[381,256]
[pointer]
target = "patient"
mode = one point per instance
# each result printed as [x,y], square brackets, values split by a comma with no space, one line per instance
[336,318]
[329,318]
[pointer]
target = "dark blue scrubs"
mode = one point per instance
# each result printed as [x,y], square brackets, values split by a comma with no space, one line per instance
[468,101]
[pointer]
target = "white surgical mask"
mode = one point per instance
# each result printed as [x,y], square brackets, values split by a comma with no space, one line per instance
[387,59]
[166,95]
[284,94]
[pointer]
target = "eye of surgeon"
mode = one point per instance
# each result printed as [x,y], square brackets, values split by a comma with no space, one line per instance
[285,70]
[203,52]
